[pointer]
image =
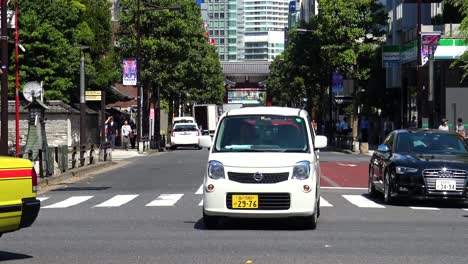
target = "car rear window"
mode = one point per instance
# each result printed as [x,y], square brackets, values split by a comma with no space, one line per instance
[183,128]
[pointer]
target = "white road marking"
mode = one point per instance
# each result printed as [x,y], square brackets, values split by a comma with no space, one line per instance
[74,200]
[42,198]
[346,164]
[324,203]
[201,203]
[117,200]
[424,208]
[200,190]
[344,188]
[166,200]
[361,201]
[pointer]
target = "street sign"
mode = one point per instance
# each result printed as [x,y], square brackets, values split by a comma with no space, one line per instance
[93,95]
[292,6]
[337,83]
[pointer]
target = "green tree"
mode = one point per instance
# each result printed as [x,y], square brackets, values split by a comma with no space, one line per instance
[175,55]
[51,31]
[463,8]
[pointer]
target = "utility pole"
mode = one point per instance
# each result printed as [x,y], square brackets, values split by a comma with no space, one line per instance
[430,98]
[138,68]
[83,140]
[4,76]
[419,100]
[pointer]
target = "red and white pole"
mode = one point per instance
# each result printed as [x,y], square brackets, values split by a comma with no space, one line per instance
[18,143]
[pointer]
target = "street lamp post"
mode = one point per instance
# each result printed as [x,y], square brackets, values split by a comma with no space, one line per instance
[82,97]
[139,67]
[4,81]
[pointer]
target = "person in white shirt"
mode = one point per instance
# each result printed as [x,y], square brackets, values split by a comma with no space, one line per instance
[443,125]
[126,130]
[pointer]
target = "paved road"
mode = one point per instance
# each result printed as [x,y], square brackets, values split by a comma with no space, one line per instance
[149,213]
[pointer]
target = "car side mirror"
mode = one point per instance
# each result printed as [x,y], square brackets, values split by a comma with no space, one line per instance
[205,141]
[320,142]
[383,148]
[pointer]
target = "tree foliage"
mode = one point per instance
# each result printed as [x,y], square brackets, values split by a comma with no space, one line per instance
[51,31]
[463,7]
[175,54]
[344,37]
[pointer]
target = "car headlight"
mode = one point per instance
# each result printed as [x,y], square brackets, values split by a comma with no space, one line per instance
[404,170]
[301,170]
[215,170]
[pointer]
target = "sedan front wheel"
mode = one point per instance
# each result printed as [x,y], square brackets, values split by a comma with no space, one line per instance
[389,197]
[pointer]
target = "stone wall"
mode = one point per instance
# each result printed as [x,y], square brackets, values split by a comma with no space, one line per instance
[61,129]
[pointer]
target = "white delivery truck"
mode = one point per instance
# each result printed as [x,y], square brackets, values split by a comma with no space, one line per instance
[206,116]
[227,107]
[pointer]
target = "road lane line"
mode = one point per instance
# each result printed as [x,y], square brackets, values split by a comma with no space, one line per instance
[201,203]
[330,181]
[200,190]
[117,200]
[361,201]
[74,200]
[466,209]
[324,203]
[424,208]
[42,198]
[166,199]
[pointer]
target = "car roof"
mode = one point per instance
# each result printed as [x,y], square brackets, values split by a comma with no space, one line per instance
[425,130]
[183,117]
[267,110]
[185,124]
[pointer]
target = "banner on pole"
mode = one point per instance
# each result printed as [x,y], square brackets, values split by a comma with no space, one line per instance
[429,43]
[129,72]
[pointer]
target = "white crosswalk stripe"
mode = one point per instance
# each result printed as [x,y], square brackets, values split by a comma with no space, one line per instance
[200,190]
[466,209]
[74,200]
[166,200]
[117,200]
[324,203]
[201,203]
[361,201]
[42,198]
[424,208]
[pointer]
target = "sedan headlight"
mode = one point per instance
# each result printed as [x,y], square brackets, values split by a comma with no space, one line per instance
[404,170]
[215,170]
[301,170]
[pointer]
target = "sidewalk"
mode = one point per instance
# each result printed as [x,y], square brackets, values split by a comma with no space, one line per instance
[122,154]
[370,152]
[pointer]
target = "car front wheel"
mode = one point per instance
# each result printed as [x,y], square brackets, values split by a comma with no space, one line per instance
[389,197]
[371,188]
[310,222]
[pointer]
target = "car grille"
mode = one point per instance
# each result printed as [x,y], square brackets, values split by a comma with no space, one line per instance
[266,201]
[431,175]
[267,177]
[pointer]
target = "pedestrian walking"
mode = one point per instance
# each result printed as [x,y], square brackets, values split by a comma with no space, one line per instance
[460,129]
[364,126]
[344,126]
[126,130]
[413,123]
[388,126]
[112,131]
[443,125]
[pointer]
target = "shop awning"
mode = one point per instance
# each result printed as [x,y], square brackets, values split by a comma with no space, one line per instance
[450,49]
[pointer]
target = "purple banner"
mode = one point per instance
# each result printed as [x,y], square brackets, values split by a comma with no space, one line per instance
[129,72]
[427,42]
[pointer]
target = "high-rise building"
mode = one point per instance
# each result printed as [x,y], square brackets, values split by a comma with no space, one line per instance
[248,29]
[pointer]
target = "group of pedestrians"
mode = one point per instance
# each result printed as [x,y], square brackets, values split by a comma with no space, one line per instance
[127,133]
[459,128]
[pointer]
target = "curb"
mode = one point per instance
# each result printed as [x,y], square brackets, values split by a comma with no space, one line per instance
[78,172]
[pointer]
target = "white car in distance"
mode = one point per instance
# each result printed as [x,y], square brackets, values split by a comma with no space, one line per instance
[185,135]
[263,163]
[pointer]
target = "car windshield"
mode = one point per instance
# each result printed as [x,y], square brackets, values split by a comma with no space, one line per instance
[431,143]
[181,128]
[183,121]
[262,133]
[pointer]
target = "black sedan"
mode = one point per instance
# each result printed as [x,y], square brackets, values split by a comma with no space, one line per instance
[420,163]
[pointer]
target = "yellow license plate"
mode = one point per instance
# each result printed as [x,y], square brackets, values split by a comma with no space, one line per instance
[244,201]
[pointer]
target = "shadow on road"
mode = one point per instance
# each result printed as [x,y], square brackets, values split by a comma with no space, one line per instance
[453,204]
[278,224]
[71,189]
[5,256]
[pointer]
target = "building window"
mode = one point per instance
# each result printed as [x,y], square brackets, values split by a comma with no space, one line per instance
[221,32]
[211,32]
[221,41]
[221,15]
[231,57]
[216,32]
[216,15]
[210,15]
[221,57]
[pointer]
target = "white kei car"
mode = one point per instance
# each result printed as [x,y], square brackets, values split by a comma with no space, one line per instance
[263,163]
[185,135]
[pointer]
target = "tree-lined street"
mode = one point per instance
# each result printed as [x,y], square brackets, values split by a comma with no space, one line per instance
[149,212]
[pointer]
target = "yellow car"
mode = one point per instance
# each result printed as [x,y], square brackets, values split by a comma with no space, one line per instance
[18,185]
